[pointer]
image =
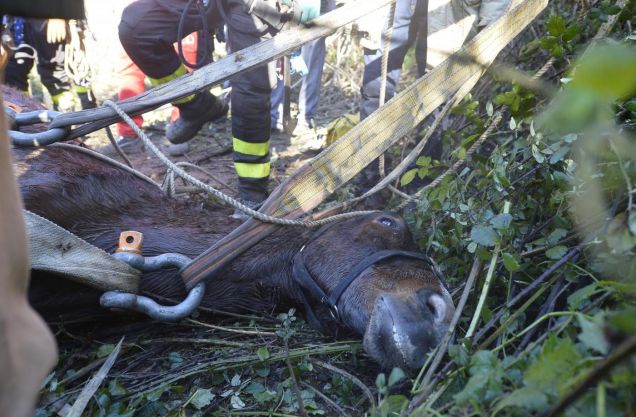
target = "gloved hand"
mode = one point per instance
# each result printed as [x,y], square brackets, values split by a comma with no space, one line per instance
[304,10]
[55,30]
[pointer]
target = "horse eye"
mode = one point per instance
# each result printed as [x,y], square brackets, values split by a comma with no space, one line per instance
[388,222]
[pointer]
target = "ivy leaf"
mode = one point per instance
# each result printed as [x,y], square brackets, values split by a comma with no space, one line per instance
[262,353]
[556,25]
[484,235]
[201,398]
[408,177]
[556,252]
[510,262]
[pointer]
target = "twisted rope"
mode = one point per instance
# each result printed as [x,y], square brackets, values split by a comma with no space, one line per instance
[218,194]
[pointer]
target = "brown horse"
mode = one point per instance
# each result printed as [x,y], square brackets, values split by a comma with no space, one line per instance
[398,304]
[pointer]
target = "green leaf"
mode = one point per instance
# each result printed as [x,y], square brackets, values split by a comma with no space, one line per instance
[559,155]
[548,42]
[556,235]
[105,350]
[459,354]
[396,376]
[538,156]
[262,371]
[484,235]
[571,32]
[501,221]
[556,364]
[380,381]
[265,396]
[485,382]
[236,402]
[555,25]
[556,51]
[262,353]
[115,388]
[556,252]
[254,388]
[489,109]
[632,222]
[408,177]
[608,70]
[527,398]
[201,398]
[423,161]
[576,299]
[155,395]
[510,262]
[592,335]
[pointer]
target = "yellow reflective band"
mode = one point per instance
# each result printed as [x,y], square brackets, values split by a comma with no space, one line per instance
[248,148]
[66,98]
[80,89]
[246,170]
[178,73]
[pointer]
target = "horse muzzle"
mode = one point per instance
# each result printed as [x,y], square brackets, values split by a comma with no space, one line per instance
[403,329]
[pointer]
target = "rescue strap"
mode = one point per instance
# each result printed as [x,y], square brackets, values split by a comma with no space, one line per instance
[337,164]
[58,251]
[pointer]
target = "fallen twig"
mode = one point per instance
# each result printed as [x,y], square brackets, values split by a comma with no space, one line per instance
[351,377]
[91,387]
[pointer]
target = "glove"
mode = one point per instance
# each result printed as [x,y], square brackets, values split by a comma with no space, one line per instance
[55,31]
[304,10]
[297,64]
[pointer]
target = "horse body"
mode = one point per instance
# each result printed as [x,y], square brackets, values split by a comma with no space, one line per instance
[398,305]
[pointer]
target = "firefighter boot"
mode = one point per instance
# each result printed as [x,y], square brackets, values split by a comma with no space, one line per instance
[204,107]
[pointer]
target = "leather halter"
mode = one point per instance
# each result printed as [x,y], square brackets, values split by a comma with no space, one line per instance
[303,277]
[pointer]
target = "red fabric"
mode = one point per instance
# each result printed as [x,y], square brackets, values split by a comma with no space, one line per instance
[132,84]
[132,81]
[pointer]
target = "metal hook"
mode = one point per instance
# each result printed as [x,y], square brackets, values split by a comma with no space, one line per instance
[129,252]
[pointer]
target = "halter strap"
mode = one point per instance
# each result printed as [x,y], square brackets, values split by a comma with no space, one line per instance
[303,277]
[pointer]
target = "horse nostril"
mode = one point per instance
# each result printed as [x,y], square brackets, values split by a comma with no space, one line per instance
[437,305]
